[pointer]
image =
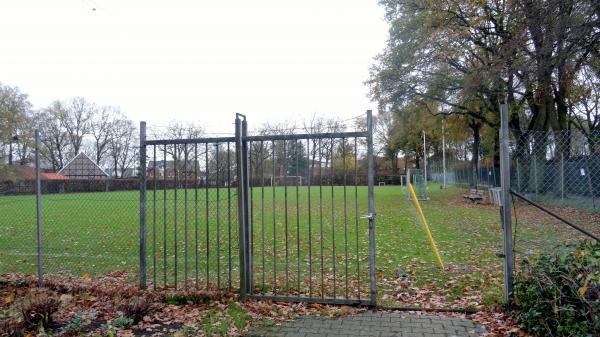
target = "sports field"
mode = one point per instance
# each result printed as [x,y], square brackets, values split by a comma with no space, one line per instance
[93,233]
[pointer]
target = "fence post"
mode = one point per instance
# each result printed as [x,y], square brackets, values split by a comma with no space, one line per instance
[38,205]
[506,210]
[241,182]
[518,173]
[562,176]
[370,179]
[142,175]
[535,177]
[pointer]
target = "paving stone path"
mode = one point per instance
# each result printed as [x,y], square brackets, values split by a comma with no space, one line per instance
[378,324]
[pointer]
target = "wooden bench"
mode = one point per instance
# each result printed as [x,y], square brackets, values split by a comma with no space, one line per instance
[475,196]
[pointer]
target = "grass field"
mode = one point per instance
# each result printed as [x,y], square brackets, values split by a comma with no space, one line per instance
[98,232]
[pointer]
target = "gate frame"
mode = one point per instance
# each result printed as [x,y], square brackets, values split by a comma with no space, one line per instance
[241,140]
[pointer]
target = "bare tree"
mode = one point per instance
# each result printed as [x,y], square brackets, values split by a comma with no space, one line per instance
[100,129]
[181,130]
[25,138]
[75,118]
[54,138]
[14,111]
[122,146]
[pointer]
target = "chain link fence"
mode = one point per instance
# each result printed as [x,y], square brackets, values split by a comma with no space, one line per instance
[556,176]
[558,168]
[460,172]
[90,225]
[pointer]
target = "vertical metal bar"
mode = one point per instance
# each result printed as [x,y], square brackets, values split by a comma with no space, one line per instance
[333,217]
[218,219]
[142,202]
[345,214]
[371,178]
[206,204]
[297,213]
[229,216]
[196,174]
[154,219]
[250,223]
[356,214]
[175,214]
[240,191]
[185,214]
[320,143]
[38,207]
[310,285]
[285,188]
[274,223]
[165,216]
[506,205]
[262,192]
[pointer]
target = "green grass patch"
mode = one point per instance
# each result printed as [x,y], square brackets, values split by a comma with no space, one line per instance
[95,233]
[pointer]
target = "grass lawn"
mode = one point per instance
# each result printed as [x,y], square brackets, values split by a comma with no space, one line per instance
[92,233]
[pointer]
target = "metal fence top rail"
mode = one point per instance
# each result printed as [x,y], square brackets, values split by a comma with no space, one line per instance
[190,141]
[327,135]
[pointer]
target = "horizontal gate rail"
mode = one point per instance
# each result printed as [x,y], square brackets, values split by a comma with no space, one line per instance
[191,141]
[304,136]
[320,300]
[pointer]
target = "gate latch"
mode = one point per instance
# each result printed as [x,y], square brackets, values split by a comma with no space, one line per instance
[369,216]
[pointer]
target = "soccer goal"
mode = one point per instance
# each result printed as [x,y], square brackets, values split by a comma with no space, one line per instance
[286,180]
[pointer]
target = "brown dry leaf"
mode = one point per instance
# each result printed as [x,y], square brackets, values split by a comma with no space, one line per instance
[8,299]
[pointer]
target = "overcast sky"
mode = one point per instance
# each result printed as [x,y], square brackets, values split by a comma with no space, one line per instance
[199,60]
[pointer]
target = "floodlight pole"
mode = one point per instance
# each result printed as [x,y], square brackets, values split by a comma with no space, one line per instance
[424,159]
[443,151]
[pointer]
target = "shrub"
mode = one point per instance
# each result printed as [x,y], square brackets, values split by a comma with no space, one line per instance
[183,298]
[37,309]
[558,294]
[9,326]
[77,322]
[135,308]
[122,322]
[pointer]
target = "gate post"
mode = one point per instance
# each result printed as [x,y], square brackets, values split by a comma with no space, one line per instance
[371,216]
[142,175]
[247,211]
[241,190]
[506,210]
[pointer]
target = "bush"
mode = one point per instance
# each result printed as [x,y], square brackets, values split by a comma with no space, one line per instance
[37,310]
[558,294]
[135,308]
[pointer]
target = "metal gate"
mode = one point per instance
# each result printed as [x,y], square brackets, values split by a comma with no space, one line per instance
[302,228]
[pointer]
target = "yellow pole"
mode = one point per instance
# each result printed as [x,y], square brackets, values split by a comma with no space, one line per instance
[424,222]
